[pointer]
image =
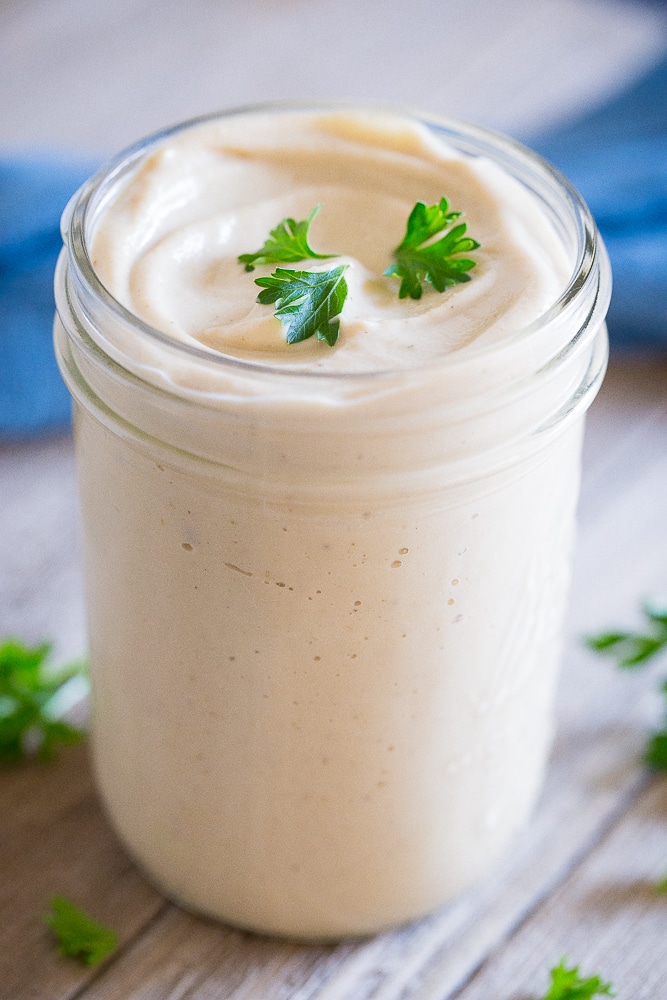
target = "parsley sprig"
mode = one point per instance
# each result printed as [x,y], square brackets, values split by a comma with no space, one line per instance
[438,263]
[567,984]
[287,243]
[308,303]
[28,699]
[635,649]
[78,935]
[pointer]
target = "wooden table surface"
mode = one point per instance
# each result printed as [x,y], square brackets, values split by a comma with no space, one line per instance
[580,882]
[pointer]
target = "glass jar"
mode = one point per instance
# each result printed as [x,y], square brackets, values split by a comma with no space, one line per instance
[325,611]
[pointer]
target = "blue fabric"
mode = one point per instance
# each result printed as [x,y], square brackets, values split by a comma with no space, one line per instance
[33,193]
[617,157]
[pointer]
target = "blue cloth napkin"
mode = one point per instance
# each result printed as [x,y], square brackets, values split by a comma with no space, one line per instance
[617,157]
[33,193]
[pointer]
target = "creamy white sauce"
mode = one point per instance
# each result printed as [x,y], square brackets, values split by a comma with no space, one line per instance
[168,247]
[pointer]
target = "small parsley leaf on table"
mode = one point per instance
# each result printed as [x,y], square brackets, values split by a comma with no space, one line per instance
[78,935]
[567,984]
[308,303]
[656,748]
[438,263]
[27,695]
[633,650]
[287,243]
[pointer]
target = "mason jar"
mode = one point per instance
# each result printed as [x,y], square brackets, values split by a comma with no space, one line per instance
[325,610]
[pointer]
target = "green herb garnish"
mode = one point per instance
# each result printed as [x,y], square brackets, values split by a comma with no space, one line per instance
[28,702]
[79,936]
[307,303]
[632,650]
[656,748]
[567,984]
[287,243]
[438,263]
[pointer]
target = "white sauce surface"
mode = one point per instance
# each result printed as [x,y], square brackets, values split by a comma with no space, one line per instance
[168,247]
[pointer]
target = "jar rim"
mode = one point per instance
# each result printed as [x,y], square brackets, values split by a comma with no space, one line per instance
[468,138]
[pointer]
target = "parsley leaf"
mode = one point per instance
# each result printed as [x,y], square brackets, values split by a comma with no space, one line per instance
[567,984]
[78,935]
[417,261]
[287,243]
[631,649]
[655,754]
[28,694]
[307,302]
[635,649]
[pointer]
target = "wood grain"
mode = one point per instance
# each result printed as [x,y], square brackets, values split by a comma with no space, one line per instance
[41,596]
[54,840]
[607,916]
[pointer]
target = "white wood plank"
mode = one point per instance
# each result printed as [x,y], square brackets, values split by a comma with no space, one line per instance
[55,841]
[625,428]
[41,595]
[606,916]
[96,77]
